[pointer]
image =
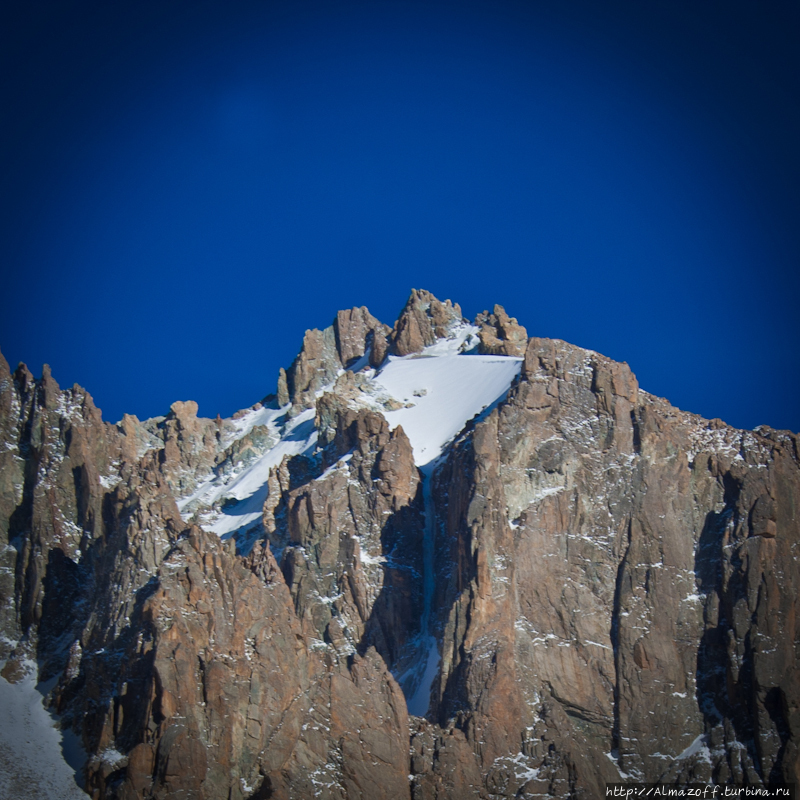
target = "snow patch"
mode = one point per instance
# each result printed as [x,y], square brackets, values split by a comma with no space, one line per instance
[695,747]
[248,489]
[613,756]
[456,388]
[33,752]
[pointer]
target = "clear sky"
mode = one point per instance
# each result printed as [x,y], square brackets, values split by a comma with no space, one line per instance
[188,186]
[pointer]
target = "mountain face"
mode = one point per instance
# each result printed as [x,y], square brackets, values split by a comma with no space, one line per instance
[444,561]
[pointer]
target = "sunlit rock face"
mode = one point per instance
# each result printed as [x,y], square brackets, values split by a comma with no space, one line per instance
[568,581]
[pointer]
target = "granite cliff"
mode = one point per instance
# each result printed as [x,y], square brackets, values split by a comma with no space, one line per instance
[443,561]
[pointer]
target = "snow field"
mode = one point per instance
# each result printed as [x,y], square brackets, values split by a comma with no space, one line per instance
[442,394]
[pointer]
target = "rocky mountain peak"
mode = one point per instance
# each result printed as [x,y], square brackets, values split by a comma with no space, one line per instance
[423,320]
[359,333]
[501,570]
[354,335]
[500,334]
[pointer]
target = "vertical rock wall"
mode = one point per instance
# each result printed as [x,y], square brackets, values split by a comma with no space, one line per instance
[620,594]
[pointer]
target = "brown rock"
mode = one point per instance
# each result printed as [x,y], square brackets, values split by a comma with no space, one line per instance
[443,764]
[380,348]
[357,331]
[423,320]
[14,670]
[336,532]
[190,447]
[500,334]
[762,517]
[316,365]
[283,388]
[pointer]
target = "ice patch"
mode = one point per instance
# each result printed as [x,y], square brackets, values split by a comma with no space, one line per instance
[418,702]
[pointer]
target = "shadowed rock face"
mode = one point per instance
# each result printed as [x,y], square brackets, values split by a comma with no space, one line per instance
[616,586]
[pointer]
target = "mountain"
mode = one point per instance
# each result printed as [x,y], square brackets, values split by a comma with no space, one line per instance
[445,560]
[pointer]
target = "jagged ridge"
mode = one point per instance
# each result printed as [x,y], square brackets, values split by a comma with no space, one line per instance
[615,592]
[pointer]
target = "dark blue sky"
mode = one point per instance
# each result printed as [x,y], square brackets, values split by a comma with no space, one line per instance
[188,186]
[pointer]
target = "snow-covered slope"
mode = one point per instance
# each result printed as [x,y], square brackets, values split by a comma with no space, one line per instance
[247,489]
[441,393]
[32,760]
[432,394]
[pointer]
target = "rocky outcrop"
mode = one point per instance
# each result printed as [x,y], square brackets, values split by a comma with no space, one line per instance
[219,695]
[355,333]
[182,665]
[190,446]
[359,333]
[423,320]
[348,533]
[500,335]
[613,596]
[12,482]
[316,365]
[60,458]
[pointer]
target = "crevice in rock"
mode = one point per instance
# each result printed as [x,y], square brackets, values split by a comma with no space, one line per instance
[776,706]
[708,569]
[614,635]
[725,679]
[430,656]
[637,434]
[19,527]
[394,624]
